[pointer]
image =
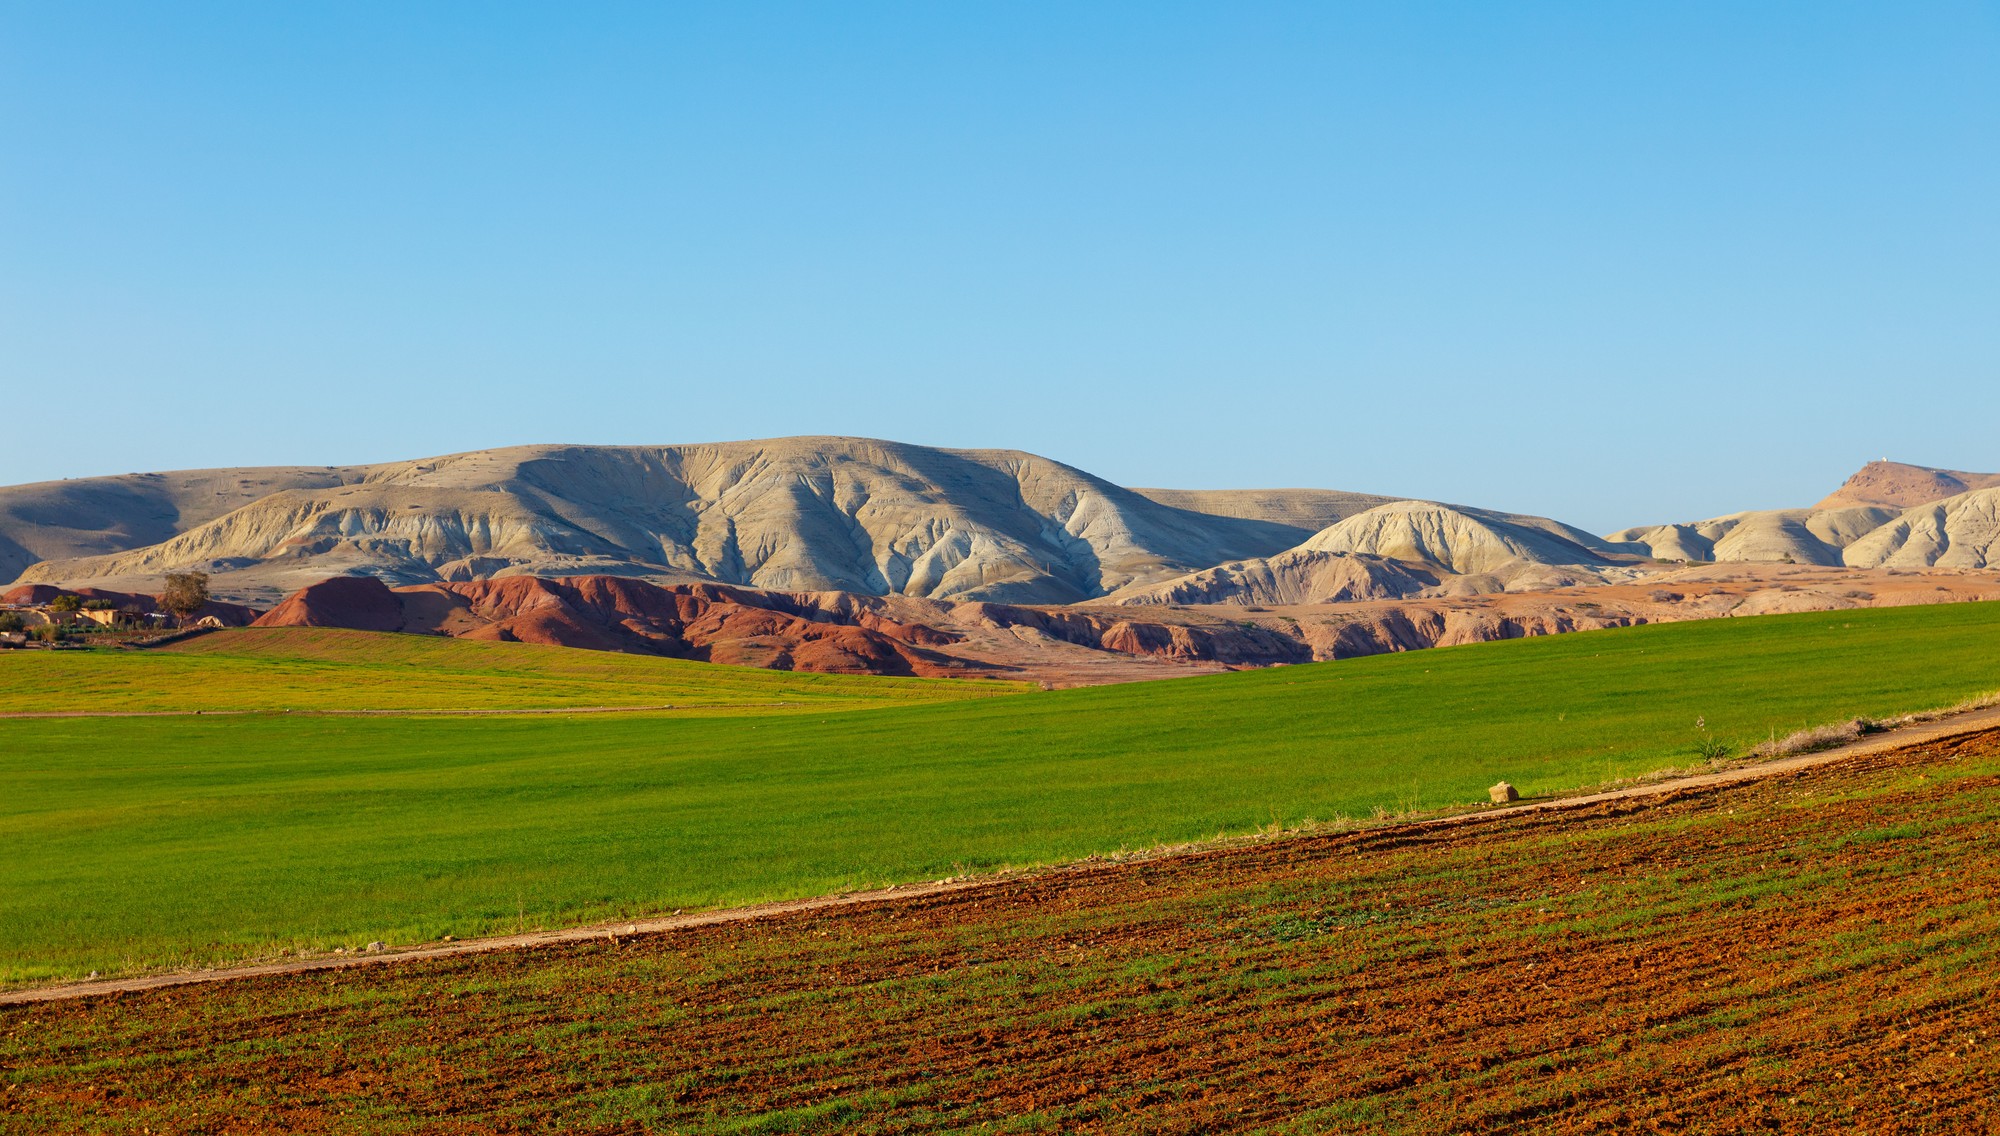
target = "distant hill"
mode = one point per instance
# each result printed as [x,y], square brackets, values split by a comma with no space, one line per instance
[1901,486]
[884,518]
[1796,536]
[1957,532]
[791,514]
[1308,510]
[1832,532]
[1402,548]
[93,516]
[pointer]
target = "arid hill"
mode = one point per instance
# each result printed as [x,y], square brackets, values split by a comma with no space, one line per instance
[1404,548]
[1770,536]
[874,518]
[93,516]
[1901,486]
[1957,532]
[795,514]
[1877,493]
[791,514]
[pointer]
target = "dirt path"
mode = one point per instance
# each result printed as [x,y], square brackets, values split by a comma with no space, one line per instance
[1957,726]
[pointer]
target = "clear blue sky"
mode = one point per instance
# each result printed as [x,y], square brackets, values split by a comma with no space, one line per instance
[1616,263]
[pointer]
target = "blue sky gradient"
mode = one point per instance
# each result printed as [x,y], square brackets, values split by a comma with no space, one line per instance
[1614,263]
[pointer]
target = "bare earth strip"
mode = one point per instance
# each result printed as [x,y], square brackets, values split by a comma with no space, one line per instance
[1910,737]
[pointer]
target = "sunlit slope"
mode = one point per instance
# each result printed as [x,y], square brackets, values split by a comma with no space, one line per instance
[307,668]
[138,842]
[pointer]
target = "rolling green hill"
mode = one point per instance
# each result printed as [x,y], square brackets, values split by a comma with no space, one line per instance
[134,843]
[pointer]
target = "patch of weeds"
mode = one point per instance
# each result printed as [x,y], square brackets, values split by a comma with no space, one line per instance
[1291,928]
[1908,831]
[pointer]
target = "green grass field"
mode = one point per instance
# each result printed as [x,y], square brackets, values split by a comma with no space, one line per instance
[135,843]
[1801,954]
[309,668]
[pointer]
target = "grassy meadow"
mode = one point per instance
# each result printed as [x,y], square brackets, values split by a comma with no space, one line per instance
[1804,954]
[325,669]
[137,843]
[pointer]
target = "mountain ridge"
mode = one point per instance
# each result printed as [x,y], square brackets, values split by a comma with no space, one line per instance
[817,513]
[878,517]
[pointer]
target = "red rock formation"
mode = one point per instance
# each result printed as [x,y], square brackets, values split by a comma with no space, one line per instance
[610,613]
[844,633]
[363,603]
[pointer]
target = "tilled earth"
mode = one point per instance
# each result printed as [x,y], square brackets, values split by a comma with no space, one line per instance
[1810,953]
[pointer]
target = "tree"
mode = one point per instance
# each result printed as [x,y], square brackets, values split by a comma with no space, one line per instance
[9,621]
[66,602]
[185,593]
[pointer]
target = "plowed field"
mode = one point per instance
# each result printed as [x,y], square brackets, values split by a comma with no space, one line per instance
[1815,953]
